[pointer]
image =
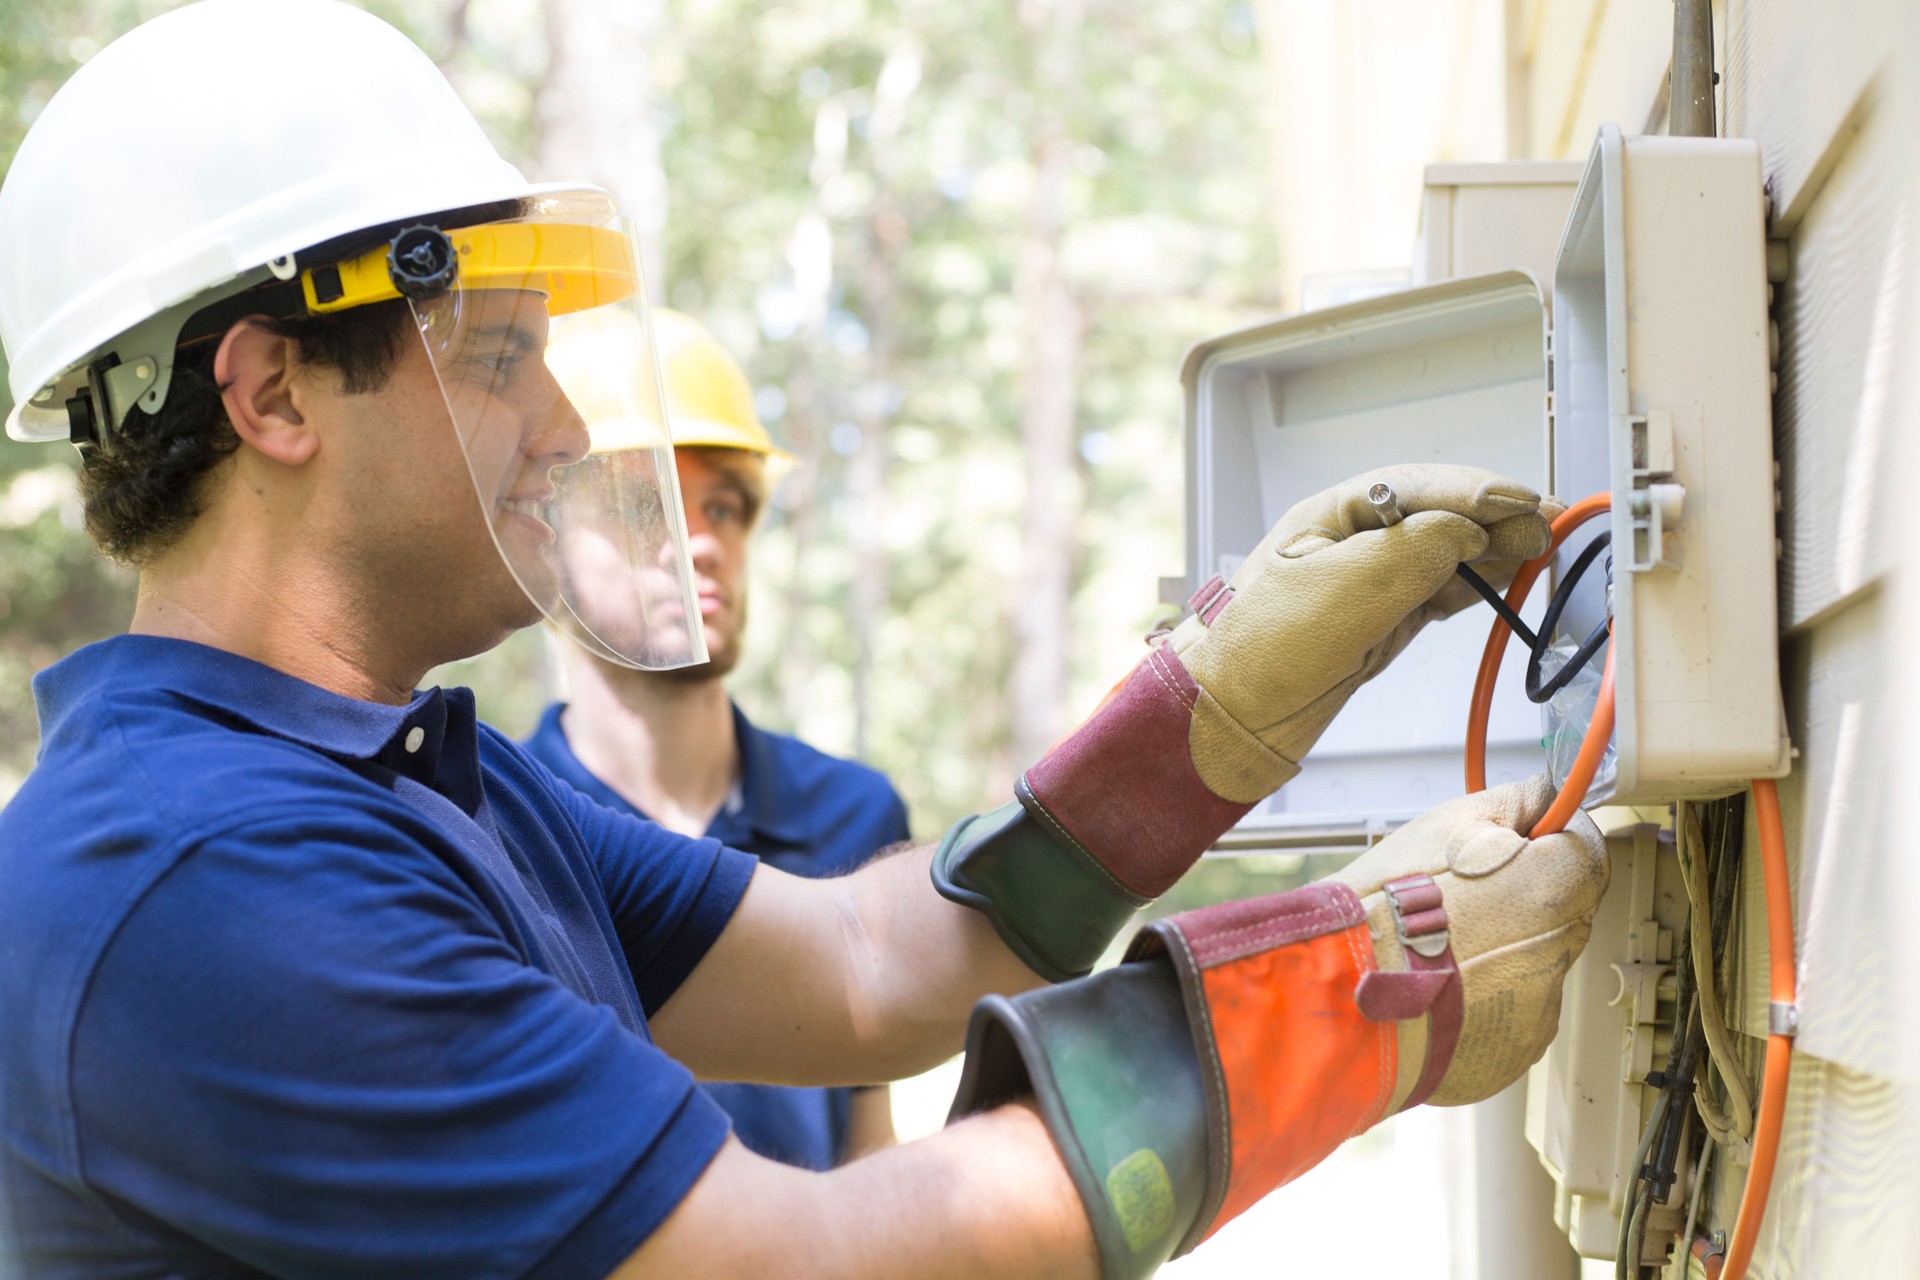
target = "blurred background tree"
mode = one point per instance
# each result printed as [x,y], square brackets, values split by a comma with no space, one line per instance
[960,250]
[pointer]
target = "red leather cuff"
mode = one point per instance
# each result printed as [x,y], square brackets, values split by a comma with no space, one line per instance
[1123,787]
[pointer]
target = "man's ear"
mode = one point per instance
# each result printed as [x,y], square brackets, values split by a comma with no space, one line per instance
[257,371]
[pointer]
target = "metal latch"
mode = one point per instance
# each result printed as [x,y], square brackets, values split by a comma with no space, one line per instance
[1656,505]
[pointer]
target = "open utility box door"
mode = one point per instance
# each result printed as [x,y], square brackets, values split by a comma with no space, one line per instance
[1669,414]
[1453,372]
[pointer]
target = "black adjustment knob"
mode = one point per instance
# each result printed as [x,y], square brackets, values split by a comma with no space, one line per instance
[421,262]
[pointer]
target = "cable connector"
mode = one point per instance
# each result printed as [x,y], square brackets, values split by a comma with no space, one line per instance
[1386,504]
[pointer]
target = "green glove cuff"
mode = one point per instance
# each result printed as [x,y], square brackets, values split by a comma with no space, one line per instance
[1110,1061]
[1052,904]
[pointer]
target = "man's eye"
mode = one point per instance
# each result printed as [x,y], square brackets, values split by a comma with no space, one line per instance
[491,367]
[722,512]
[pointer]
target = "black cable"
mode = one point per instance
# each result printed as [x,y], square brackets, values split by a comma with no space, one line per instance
[1499,603]
[1653,1180]
[1730,829]
[1538,692]
[1662,1170]
[1537,689]
[1625,1265]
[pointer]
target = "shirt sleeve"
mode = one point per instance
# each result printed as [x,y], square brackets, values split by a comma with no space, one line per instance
[671,896]
[314,1049]
[897,816]
[864,815]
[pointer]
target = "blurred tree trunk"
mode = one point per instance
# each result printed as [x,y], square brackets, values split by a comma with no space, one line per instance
[595,112]
[887,235]
[809,414]
[1052,325]
[801,499]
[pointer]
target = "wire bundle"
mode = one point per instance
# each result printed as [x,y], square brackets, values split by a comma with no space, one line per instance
[1699,1012]
[1599,730]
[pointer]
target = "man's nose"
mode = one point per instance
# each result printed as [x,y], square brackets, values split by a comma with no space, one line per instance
[702,547]
[559,437]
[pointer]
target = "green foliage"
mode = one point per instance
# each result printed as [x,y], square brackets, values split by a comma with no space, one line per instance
[1166,214]
[54,594]
[1167,241]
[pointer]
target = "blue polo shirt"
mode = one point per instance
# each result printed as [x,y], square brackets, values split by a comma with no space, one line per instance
[300,985]
[804,812]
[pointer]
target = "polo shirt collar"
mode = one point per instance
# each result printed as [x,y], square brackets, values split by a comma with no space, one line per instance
[432,735]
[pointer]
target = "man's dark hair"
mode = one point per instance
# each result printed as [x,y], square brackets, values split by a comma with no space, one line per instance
[146,488]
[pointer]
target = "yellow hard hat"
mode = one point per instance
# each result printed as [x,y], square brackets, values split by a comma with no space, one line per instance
[709,400]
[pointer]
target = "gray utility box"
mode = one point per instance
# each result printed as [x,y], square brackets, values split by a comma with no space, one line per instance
[1659,294]
[1492,217]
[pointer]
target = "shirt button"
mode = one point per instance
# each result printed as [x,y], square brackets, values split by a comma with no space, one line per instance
[415,736]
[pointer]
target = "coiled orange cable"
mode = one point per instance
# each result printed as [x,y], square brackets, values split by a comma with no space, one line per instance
[1782,986]
[1593,746]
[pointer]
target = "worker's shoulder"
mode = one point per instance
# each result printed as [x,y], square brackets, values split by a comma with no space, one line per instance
[109,818]
[808,765]
[155,752]
[816,781]
[520,763]
[140,803]
[130,780]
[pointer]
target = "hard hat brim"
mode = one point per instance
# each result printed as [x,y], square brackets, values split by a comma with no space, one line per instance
[576,267]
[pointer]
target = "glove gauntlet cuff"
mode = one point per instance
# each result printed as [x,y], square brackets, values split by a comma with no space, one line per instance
[1100,827]
[1230,1052]
[1053,903]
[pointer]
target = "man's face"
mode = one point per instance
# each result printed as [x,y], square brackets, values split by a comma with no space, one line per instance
[718,486]
[404,465]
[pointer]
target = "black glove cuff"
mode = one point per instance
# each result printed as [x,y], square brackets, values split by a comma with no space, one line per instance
[1110,1062]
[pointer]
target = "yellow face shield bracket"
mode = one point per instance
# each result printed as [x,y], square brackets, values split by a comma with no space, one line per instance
[573,266]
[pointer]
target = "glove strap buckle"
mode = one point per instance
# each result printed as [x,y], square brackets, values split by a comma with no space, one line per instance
[1213,596]
[1419,918]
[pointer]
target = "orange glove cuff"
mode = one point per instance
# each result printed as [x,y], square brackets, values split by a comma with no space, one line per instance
[1292,1067]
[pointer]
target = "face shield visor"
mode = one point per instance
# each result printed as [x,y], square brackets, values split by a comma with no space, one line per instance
[538,334]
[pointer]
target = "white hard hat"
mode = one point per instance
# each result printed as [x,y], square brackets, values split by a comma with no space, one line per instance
[188,155]
[301,158]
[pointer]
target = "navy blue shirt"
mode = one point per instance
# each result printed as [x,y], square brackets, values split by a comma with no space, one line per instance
[802,811]
[300,985]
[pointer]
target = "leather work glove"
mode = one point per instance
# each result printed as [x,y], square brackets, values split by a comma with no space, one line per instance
[1239,1044]
[1221,711]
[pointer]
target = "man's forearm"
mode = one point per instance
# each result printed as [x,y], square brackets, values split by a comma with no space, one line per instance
[987,1197]
[856,980]
[918,963]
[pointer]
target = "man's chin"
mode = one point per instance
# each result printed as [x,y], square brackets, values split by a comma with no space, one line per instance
[718,666]
[470,641]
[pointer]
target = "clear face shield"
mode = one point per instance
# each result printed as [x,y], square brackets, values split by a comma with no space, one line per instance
[538,333]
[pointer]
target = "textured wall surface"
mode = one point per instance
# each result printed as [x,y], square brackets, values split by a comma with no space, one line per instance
[1826,91]
[1822,96]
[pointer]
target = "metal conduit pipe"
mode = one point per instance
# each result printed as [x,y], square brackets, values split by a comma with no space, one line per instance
[1690,96]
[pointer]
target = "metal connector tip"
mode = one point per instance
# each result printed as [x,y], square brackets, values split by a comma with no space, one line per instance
[1385,504]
